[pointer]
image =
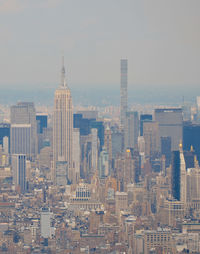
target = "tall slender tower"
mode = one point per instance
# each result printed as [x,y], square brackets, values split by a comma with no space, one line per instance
[123,92]
[62,126]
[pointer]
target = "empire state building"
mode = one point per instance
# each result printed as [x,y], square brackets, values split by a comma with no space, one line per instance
[62,126]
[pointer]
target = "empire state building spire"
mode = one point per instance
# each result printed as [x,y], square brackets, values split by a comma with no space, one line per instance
[63,81]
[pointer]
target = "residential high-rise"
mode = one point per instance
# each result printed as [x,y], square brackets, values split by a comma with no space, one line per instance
[123,92]
[19,171]
[62,126]
[24,113]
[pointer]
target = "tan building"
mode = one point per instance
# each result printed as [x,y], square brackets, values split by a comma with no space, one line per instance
[170,211]
[121,201]
[158,240]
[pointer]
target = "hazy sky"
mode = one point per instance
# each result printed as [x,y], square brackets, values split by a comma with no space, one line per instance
[160,38]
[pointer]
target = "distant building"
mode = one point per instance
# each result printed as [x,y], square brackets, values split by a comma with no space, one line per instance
[131,130]
[89,114]
[151,137]
[20,139]
[179,176]
[76,155]
[24,113]
[121,201]
[170,125]
[175,175]
[94,159]
[117,143]
[103,164]
[81,123]
[191,137]
[160,239]
[123,91]
[62,126]
[166,149]
[45,223]
[87,124]
[99,125]
[108,144]
[61,173]
[4,132]
[19,171]
[143,118]
[42,119]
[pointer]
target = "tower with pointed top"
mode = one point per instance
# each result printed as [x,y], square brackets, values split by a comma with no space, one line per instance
[62,127]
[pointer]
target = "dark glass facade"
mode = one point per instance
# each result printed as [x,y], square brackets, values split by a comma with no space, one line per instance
[4,132]
[175,176]
[166,149]
[85,125]
[191,137]
[41,122]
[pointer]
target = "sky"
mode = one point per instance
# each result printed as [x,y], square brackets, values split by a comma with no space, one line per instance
[160,39]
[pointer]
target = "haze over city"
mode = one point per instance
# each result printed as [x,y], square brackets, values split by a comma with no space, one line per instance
[159,38]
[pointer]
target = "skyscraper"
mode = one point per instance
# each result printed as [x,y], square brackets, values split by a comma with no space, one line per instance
[170,125]
[143,118]
[191,137]
[166,149]
[42,119]
[108,144]
[24,113]
[19,171]
[151,137]
[62,125]
[123,92]
[131,129]
[76,155]
[175,175]
[20,139]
